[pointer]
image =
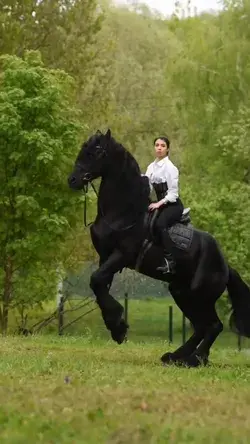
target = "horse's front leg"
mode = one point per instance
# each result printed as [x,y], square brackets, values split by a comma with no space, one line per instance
[112,310]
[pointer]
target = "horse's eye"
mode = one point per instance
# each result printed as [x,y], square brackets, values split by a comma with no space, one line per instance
[99,152]
[90,154]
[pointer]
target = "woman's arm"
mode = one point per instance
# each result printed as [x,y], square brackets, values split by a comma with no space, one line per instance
[172,178]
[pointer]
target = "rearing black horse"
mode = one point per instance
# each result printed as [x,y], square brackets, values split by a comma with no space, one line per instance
[122,239]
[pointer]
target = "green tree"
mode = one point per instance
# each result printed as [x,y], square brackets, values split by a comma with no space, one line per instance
[39,137]
[62,30]
[126,91]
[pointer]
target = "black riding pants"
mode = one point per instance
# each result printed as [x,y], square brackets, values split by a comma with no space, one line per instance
[168,215]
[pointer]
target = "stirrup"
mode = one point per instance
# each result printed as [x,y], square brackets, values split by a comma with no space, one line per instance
[165,268]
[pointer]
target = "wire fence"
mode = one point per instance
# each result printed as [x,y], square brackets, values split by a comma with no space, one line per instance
[176,326]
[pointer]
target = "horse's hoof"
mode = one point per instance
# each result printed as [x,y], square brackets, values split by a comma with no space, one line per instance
[167,358]
[195,360]
[119,333]
[113,319]
[172,359]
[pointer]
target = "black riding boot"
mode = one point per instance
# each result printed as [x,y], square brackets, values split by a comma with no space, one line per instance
[169,263]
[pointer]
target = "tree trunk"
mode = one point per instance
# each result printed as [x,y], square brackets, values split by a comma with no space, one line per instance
[4,313]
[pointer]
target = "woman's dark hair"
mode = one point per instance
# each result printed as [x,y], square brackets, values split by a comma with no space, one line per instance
[166,140]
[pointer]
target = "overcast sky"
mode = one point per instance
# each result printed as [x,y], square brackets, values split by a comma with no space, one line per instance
[167,6]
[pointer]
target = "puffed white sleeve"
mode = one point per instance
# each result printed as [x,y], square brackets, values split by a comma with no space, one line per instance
[172,177]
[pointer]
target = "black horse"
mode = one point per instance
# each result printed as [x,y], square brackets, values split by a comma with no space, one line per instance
[123,236]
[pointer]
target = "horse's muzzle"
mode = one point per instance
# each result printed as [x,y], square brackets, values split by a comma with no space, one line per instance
[75,183]
[77,180]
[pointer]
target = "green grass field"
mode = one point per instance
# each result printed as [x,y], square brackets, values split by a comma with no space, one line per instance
[80,390]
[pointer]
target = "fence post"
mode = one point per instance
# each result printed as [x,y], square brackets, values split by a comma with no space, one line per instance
[126,307]
[239,342]
[170,324]
[60,315]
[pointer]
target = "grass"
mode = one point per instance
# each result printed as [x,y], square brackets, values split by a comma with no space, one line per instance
[81,390]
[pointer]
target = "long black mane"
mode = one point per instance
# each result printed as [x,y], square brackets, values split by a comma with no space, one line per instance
[123,191]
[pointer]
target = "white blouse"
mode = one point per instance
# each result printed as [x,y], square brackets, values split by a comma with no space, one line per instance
[165,171]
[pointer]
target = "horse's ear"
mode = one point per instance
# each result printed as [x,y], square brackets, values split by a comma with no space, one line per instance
[98,133]
[108,134]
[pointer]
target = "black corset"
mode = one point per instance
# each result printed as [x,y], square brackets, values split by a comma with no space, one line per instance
[160,189]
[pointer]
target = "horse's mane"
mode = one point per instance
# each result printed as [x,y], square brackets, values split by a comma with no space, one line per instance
[134,167]
[136,186]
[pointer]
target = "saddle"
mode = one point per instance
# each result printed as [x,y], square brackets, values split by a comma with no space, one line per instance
[177,230]
[181,233]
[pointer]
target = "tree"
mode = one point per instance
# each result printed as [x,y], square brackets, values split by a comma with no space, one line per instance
[62,30]
[126,94]
[39,138]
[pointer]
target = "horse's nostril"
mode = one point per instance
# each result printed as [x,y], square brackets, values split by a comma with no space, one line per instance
[71,180]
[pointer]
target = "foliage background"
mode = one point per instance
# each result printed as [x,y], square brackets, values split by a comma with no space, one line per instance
[140,75]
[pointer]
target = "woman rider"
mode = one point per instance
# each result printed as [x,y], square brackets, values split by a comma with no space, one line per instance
[164,178]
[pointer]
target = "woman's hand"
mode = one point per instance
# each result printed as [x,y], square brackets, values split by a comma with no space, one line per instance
[156,205]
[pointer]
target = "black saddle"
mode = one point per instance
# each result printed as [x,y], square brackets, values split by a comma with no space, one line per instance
[181,234]
[149,223]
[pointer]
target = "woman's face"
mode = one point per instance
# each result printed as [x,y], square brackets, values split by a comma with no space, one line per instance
[161,149]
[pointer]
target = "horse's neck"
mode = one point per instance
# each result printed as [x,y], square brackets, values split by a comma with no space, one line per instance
[112,193]
[121,195]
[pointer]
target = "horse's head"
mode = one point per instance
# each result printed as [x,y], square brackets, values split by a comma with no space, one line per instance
[91,160]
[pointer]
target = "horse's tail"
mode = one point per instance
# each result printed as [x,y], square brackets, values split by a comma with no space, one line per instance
[239,294]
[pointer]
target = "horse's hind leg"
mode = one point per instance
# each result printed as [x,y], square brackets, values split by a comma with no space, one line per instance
[186,349]
[212,327]
[200,355]
[200,310]
[190,305]
[195,351]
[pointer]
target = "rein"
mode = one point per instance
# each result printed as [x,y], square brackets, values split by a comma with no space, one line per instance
[85,192]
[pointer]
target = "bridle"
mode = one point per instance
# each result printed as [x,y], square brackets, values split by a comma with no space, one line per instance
[85,192]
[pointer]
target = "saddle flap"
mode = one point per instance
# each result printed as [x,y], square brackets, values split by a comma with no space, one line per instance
[182,236]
